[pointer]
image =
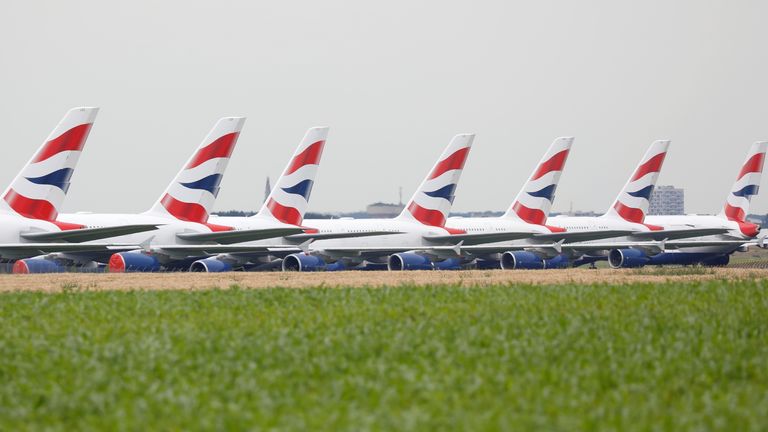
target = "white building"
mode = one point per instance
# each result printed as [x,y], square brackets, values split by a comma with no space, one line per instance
[667,200]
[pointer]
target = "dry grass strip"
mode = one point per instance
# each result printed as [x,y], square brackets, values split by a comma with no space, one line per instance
[196,281]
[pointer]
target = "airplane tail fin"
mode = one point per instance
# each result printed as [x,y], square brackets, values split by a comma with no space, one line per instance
[192,193]
[747,184]
[432,201]
[534,201]
[289,198]
[634,199]
[38,191]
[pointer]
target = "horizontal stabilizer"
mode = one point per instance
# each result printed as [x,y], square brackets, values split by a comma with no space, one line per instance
[87,234]
[679,233]
[239,236]
[480,238]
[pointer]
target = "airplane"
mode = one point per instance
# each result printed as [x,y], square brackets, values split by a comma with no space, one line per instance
[708,250]
[351,239]
[280,217]
[622,224]
[31,204]
[527,215]
[180,216]
[421,223]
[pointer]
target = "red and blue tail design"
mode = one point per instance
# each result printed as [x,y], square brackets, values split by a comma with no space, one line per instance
[192,193]
[634,199]
[289,199]
[534,201]
[432,202]
[747,184]
[38,191]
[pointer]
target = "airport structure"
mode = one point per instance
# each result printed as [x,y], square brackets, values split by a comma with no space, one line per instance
[667,200]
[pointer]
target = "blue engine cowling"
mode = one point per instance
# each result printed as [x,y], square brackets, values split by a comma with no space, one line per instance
[717,261]
[337,266]
[408,261]
[210,265]
[36,265]
[558,262]
[485,264]
[132,262]
[302,262]
[449,264]
[521,260]
[627,258]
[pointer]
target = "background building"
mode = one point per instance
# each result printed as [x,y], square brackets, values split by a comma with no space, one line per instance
[384,210]
[667,200]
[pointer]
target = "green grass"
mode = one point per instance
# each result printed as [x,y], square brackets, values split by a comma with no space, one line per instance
[635,357]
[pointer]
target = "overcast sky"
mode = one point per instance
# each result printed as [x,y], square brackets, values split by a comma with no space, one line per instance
[395,81]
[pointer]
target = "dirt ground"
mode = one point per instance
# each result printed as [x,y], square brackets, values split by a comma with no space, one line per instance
[194,281]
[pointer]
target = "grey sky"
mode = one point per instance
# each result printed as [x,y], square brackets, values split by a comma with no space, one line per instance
[395,81]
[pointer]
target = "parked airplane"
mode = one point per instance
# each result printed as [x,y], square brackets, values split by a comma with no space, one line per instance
[527,215]
[421,223]
[30,206]
[623,223]
[279,221]
[181,212]
[708,250]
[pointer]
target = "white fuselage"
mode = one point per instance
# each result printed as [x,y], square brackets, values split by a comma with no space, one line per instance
[673,222]
[406,234]
[12,226]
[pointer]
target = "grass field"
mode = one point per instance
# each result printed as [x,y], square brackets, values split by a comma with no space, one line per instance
[669,356]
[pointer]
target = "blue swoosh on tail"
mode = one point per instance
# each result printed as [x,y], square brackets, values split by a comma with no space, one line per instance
[445,192]
[210,183]
[59,179]
[642,193]
[546,192]
[303,188]
[746,191]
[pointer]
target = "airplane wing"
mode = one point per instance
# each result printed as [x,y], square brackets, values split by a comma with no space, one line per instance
[238,236]
[479,238]
[574,236]
[301,238]
[87,234]
[679,233]
[215,249]
[28,250]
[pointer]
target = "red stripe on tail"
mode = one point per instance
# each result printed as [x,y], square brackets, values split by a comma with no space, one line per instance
[222,147]
[284,214]
[452,162]
[555,163]
[735,213]
[71,140]
[427,216]
[31,208]
[310,156]
[190,212]
[754,164]
[533,216]
[630,214]
[653,165]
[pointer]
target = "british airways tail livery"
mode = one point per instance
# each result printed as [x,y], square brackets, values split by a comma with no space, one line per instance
[38,191]
[192,193]
[534,200]
[289,199]
[634,199]
[746,185]
[432,201]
